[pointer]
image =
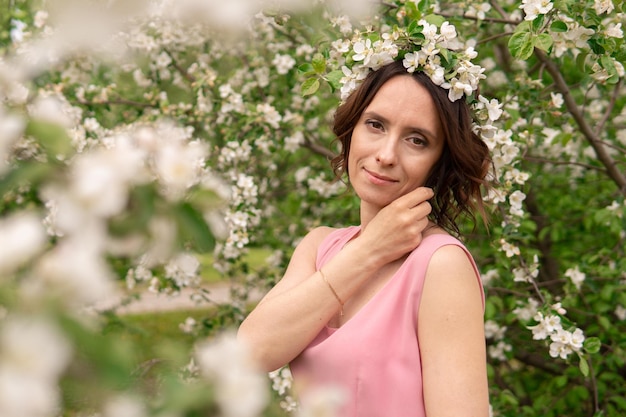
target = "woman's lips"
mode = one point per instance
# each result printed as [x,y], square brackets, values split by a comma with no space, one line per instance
[378,178]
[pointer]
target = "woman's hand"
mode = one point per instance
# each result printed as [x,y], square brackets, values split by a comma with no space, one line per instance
[397,228]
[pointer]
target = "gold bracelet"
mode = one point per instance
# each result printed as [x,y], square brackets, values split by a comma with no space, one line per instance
[332,289]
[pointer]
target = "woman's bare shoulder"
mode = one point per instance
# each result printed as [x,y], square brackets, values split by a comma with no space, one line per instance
[433,229]
[321,232]
[312,240]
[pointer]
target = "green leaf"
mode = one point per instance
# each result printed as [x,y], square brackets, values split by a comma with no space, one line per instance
[435,19]
[592,344]
[447,56]
[334,78]
[558,26]
[583,366]
[596,46]
[544,42]
[521,45]
[604,322]
[32,173]
[581,60]
[193,229]
[560,381]
[609,65]
[310,86]
[537,22]
[52,137]
[319,63]
[423,6]
[306,69]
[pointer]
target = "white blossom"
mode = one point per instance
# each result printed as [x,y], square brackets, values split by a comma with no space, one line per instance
[41,16]
[22,236]
[556,100]
[528,311]
[489,276]
[534,8]
[124,406]
[498,351]
[546,326]
[17,30]
[33,354]
[614,31]
[54,109]
[188,326]
[510,249]
[101,178]
[564,342]
[283,63]
[240,389]
[75,272]
[294,142]
[493,106]
[576,276]
[270,115]
[184,269]
[179,165]
[603,6]
[323,401]
[493,330]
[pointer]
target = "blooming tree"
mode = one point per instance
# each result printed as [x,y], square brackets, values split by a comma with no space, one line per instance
[135,136]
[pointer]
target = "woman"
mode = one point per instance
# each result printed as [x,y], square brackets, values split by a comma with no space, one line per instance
[390,311]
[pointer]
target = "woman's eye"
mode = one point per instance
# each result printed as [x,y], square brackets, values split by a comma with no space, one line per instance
[418,141]
[374,124]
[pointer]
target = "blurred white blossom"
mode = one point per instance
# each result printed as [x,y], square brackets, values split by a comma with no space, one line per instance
[603,6]
[526,312]
[124,406]
[576,276]
[33,354]
[22,236]
[322,402]
[184,269]
[241,390]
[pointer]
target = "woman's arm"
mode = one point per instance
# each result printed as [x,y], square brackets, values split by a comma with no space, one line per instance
[451,335]
[289,317]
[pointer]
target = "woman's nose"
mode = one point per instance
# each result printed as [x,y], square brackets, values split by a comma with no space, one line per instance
[387,152]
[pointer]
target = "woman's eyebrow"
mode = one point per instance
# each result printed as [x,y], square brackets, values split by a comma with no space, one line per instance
[375,115]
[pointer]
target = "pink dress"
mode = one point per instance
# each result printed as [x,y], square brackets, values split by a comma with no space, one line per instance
[374,357]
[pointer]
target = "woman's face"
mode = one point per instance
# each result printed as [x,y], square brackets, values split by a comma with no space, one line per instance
[395,144]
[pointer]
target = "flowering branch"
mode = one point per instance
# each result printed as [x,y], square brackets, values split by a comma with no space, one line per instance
[532,158]
[593,139]
[609,109]
[180,69]
[317,148]
[119,101]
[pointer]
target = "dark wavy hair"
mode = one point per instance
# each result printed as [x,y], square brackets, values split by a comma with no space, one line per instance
[459,175]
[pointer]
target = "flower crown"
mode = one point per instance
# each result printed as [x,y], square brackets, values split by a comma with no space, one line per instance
[437,52]
[428,44]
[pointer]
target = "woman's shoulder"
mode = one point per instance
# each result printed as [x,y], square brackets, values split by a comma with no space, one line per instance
[435,234]
[326,241]
[321,233]
[443,246]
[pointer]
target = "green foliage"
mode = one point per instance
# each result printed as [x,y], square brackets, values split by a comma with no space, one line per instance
[573,216]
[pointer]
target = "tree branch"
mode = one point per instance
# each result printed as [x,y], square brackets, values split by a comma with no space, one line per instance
[190,78]
[486,19]
[119,101]
[531,158]
[318,149]
[611,166]
[609,109]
